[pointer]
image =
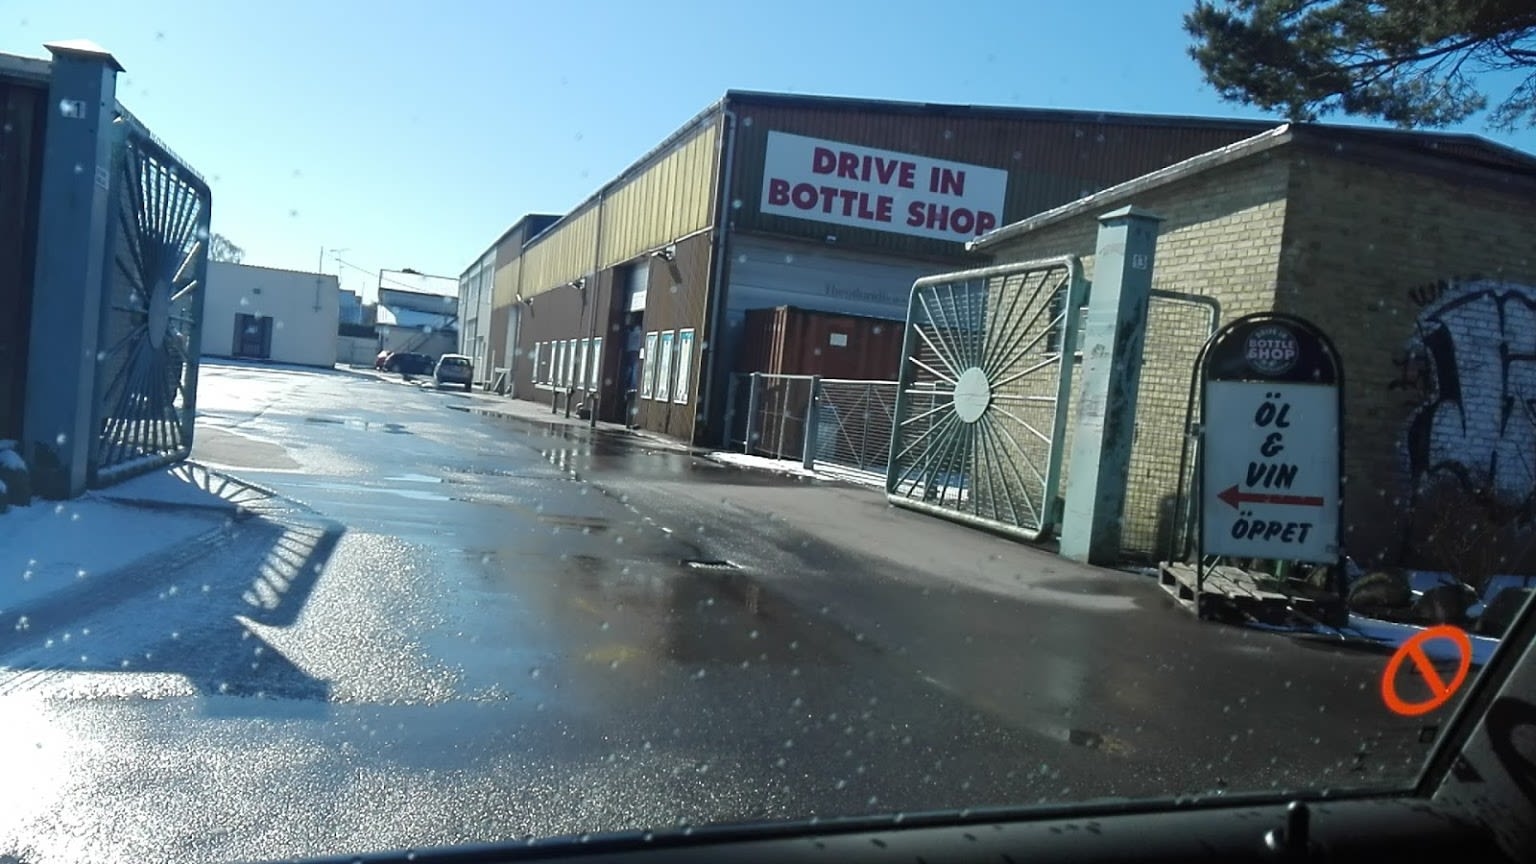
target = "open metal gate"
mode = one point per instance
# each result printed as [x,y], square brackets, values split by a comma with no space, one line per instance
[981,406]
[152,307]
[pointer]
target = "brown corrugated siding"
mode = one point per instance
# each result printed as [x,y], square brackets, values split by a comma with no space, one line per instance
[790,341]
[553,315]
[1050,162]
[675,300]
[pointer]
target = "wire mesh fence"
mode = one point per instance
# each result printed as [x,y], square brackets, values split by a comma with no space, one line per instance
[998,471]
[769,414]
[853,424]
[816,421]
[1155,515]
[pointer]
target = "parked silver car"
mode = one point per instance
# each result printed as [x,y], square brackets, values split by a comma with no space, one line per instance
[454,369]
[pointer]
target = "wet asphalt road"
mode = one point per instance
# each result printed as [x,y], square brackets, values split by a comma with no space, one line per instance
[474,628]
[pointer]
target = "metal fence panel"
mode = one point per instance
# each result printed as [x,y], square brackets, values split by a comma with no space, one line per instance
[152,308]
[1156,513]
[853,423]
[783,405]
[981,409]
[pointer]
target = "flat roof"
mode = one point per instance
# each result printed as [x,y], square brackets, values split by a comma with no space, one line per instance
[212,263]
[1000,112]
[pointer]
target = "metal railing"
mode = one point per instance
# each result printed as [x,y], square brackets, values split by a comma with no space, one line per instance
[853,421]
[817,421]
[768,414]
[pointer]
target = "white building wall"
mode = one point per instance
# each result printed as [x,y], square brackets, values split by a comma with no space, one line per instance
[303,308]
[476,288]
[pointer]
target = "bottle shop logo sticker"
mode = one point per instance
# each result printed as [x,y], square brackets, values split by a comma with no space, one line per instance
[1271,350]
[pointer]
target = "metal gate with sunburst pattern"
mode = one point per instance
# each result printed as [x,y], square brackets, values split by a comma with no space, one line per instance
[152,307]
[981,406]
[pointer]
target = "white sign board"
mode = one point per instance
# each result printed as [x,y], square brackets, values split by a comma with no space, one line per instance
[1271,470]
[861,187]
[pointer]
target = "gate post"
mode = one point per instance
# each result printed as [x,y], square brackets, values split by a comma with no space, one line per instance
[812,421]
[58,432]
[1106,415]
[752,406]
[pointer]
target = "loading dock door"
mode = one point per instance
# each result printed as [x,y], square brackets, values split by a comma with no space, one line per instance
[766,274]
[981,407]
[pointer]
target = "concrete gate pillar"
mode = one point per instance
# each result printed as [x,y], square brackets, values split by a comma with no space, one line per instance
[57,433]
[1114,333]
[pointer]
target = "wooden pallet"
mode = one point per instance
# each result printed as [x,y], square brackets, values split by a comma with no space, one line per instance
[1233,592]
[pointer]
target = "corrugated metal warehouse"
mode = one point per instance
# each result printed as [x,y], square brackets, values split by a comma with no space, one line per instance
[766,200]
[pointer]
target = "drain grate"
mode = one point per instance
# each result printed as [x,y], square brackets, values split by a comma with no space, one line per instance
[710,564]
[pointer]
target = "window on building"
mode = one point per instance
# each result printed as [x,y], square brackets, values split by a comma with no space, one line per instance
[648,366]
[568,362]
[583,346]
[538,356]
[664,367]
[593,370]
[684,366]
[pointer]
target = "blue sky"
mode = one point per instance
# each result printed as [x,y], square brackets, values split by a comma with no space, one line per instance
[413,133]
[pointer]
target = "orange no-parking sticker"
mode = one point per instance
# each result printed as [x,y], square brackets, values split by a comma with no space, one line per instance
[1441,690]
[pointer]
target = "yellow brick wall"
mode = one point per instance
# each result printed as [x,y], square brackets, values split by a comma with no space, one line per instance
[1220,237]
[1364,236]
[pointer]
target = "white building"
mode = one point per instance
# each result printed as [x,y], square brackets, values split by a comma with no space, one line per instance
[262,313]
[418,322]
[475,290]
[351,307]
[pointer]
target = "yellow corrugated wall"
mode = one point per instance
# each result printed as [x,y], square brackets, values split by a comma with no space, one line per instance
[504,292]
[561,254]
[668,200]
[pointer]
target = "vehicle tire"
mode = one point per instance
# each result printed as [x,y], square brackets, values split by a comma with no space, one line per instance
[468,387]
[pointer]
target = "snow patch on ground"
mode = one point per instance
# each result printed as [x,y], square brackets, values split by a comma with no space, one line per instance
[184,485]
[12,460]
[823,471]
[1393,633]
[55,545]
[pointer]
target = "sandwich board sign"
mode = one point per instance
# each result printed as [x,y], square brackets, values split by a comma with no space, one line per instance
[1271,441]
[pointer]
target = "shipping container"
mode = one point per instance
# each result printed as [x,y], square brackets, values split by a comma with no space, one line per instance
[787,340]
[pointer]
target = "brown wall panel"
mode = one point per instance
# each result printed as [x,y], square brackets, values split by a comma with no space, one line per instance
[677,299]
[1051,157]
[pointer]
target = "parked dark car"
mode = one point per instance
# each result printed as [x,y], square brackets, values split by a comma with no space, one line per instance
[409,363]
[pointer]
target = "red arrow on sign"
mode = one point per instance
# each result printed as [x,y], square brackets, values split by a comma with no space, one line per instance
[1235,498]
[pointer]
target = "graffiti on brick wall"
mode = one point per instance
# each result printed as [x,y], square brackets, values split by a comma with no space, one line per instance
[1471,364]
